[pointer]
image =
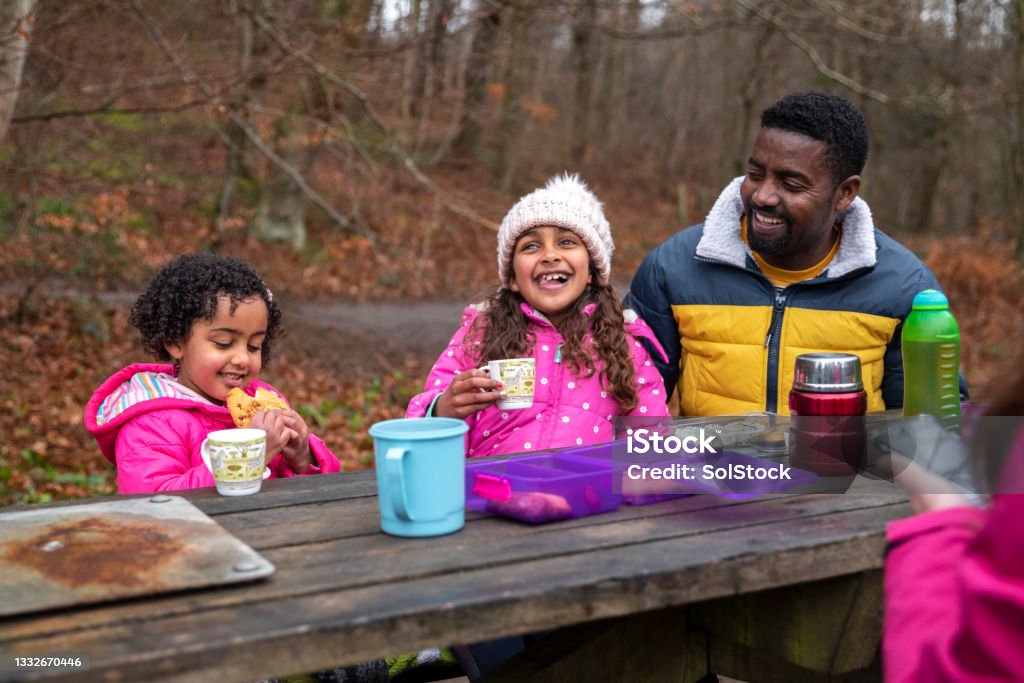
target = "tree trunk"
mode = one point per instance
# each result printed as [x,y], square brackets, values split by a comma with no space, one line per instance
[583,66]
[16,18]
[511,126]
[281,213]
[432,65]
[928,180]
[941,142]
[250,44]
[753,83]
[410,67]
[356,16]
[1018,152]
[481,53]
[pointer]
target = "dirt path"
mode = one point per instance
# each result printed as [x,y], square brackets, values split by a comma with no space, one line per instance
[341,335]
[376,336]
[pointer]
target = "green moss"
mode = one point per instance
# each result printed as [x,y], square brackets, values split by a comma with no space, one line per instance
[54,205]
[128,123]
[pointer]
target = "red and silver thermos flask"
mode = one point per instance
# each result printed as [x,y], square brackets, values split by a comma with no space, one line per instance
[827,408]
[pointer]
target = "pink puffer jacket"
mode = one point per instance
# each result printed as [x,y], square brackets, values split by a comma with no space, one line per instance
[152,430]
[567,410]
[954,590]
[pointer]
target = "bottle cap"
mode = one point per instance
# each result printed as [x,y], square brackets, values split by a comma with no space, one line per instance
[827,373]
[930,299]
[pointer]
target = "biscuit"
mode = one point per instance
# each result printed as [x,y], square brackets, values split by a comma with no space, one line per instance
[243,407]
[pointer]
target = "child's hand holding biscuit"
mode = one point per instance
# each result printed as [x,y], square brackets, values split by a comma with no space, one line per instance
[287,432]
[244,407]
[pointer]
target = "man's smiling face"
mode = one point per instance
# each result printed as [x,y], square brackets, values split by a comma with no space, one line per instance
[791,199]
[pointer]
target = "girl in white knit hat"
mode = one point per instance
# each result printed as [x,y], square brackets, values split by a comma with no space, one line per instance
[556,304]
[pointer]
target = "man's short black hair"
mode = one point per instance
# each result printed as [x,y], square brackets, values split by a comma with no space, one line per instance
[828,118]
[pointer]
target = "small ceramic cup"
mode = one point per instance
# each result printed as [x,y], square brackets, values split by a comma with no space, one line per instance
[237,459]
[518,378]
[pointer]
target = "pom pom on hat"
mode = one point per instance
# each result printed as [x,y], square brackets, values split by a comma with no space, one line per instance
[565,202]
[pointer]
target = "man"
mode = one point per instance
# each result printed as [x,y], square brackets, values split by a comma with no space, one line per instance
[787,262]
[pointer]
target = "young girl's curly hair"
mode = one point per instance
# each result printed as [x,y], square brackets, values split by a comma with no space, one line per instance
[502,333]
[188,289]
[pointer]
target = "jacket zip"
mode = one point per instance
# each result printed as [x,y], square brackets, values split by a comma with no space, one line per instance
[555,388]
[773,339]
[772,343]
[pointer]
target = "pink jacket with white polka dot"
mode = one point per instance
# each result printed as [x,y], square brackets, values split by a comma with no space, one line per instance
[567,410]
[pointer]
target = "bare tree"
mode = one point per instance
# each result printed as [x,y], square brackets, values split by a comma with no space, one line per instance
[481,54]
[510,127]
[584,16]
[1018,146]
[16,18]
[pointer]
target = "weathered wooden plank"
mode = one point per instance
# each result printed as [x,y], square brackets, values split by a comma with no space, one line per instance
[304,524]
[309,520]
[324,521]
[315,521]
[274,493]
[287,492]
[316,631]
[377,558]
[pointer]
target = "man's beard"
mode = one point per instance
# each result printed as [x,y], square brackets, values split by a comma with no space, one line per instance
[767,246]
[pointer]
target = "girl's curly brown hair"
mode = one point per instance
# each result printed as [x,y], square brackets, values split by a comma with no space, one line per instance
[502,333]
[188,289]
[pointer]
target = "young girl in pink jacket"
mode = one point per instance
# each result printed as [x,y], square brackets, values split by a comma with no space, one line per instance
[213,321]
[954,575]
[555,304]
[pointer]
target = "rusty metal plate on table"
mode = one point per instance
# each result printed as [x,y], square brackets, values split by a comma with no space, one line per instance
[79,554]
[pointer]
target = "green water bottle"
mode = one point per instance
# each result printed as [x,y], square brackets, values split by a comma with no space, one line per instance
[931,360]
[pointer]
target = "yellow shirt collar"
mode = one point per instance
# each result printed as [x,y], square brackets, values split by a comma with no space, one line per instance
[781,277]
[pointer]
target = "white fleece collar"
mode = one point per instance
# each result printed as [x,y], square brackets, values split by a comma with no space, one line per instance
[721,240]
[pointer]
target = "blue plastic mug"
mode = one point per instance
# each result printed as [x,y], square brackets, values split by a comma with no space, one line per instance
[421,464]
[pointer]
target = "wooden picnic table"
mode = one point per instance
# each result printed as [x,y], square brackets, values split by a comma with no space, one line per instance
[749,589]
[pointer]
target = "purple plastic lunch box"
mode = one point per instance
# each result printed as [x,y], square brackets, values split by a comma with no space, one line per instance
[545,487]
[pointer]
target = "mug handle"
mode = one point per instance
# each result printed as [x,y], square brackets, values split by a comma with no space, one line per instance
[206,455]
[396,482]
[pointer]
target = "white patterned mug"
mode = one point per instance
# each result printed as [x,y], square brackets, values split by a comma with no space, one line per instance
[518,377]
[237,459]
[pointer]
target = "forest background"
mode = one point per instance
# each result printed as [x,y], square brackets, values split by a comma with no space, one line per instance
[363,152]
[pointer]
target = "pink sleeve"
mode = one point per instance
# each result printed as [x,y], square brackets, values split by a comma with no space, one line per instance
[954,595]
[650,387]
[153,454]
[451,362]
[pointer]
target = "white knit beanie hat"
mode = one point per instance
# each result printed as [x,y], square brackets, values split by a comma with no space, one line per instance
[565,202]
